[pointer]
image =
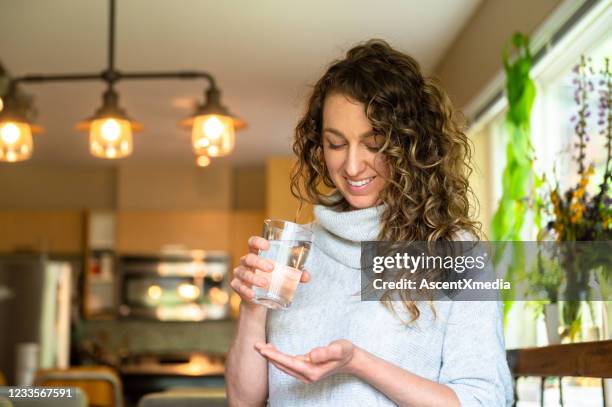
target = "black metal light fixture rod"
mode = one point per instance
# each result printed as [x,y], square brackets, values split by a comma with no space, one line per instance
[117,76]
[170,75]
[111,37]
[58,77]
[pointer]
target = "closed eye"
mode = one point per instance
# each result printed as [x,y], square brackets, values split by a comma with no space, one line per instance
[335,146]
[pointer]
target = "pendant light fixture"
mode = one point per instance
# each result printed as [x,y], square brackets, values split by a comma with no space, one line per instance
[15,130]
[213,126]
[110,128]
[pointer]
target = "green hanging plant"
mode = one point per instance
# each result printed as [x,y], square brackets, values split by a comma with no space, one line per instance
[517,180]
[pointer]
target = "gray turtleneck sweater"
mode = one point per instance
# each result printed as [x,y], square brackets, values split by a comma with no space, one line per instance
[462,347]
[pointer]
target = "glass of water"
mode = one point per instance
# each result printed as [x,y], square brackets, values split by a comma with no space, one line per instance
[289,247]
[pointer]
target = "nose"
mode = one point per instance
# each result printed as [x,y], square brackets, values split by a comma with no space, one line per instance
[355,161]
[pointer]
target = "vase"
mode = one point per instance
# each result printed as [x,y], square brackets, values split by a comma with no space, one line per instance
[592,334]
[551,318]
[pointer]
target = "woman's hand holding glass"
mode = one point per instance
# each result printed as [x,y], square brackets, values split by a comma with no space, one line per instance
[245,277]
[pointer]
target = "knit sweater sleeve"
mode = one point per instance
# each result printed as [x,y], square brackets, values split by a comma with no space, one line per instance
[474,362]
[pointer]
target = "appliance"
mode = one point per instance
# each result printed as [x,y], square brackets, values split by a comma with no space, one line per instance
[110,128]
[34,314]
[188,286]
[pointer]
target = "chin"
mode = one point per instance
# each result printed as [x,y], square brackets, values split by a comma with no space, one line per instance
[360,202]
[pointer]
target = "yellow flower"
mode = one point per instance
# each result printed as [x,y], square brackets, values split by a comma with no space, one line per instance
[576,210]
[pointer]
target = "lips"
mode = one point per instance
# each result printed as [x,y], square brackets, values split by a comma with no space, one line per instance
[360,185]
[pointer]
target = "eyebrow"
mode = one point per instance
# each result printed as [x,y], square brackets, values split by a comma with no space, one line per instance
[339,133]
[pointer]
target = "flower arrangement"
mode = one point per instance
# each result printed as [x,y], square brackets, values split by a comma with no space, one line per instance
[577,216]
[574,214]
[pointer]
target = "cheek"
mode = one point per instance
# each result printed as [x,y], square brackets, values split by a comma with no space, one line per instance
[381,165]
[333,161]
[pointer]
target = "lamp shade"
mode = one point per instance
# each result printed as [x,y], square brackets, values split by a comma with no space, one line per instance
[214,134]
[15,127]
[212,126]
[15,141]
[110,130]
[110,138]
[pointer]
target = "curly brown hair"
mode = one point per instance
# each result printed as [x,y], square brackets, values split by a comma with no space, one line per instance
[427,192]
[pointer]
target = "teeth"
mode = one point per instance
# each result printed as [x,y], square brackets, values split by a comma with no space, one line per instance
[360,183]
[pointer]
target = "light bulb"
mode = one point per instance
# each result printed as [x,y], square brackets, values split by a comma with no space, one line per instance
[203,160]
[202,143]
[10,133]
[213,128]
[111,152]
[213,151]
[111,130]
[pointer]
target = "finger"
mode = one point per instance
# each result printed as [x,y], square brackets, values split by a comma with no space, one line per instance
[249,277]
[290,372]
[289,362]
[270,347]
[305,358]
[305,277]
[242,289]
[323,354]
[254,261]
[263,345]
[259,345]
[257,243]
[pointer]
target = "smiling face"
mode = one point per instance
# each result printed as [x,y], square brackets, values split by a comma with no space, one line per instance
[350,148]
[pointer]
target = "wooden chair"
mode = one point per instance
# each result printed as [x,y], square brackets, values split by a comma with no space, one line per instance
[101,384]
[585,359]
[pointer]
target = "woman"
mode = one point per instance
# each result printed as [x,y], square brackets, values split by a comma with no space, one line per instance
[384,139]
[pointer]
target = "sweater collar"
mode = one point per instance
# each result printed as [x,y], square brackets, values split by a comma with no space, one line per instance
[342,232]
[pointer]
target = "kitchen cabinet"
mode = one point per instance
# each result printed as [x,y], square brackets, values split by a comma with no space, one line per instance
[50,231]
[151,231]
[99,282]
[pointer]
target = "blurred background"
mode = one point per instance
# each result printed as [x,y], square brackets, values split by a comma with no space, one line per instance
[114,271]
